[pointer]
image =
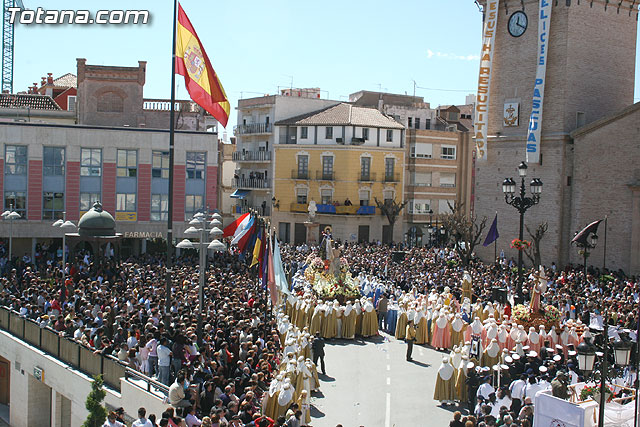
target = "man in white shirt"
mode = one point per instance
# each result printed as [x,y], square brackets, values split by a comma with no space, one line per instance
[517,388]
[112,421]
[164,362]
[485,388]
[142,421]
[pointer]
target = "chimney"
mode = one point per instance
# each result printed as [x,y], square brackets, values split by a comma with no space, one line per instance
[49,78]
[43,82]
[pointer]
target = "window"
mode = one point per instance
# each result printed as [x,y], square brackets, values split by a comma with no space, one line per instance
[421,179]
[125,202]
[448,152]
[327,196]
[327,167]
[389,135]
[52,205]
[127,163]
[160,164]
[301,196]
[389,166]
[71,103]
[110,102]
[304,132]
[365,197]
[328,133]
[87,200]
[421,151]
[90,161]
[194,203]
[53,161]
[365,133]
[159,207]
[417,122]
[388,196]
[447,179]
[303,167]
[195,165]
[365,168]
[16,200]
[409,122]
[15,159]
[427,124]
[419,206]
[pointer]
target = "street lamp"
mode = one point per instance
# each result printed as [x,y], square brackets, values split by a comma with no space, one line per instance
[587,353]
[10,215]
[522,204]
[65,225]
[442,235]
[584,249]
[198,225]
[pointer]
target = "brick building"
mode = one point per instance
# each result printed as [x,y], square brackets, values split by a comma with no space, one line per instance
[580,90]
[117,153]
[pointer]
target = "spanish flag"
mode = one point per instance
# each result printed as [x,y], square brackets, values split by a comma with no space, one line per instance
[200,79]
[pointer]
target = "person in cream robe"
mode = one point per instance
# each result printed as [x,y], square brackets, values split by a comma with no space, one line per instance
[369,319]
[445,390]
[491,356]
[422,337]
[461,380]
[503,337]
[457,330]
[285,398]
[349,322]
[270,401]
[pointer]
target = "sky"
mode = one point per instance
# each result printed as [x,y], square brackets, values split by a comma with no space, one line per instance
[258,47]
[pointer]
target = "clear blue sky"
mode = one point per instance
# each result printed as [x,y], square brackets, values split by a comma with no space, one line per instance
[257,46]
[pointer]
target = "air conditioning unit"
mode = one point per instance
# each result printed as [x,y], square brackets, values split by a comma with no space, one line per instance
[339,140]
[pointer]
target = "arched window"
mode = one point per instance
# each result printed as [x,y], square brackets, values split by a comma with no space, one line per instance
[110,102]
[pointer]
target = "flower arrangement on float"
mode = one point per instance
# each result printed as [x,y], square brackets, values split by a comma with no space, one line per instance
[327,284]
[520,244]
[551,314]
[522,314]
[593,392]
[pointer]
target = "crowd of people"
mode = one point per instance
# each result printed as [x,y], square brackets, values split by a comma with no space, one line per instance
[117,309]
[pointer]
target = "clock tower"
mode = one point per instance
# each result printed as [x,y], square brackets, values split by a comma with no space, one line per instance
[590,66]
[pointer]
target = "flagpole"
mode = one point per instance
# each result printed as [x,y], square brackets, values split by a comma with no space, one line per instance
[495,244]
[604,258]
[169,262]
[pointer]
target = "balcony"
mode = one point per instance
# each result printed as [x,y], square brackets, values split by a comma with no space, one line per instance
[252,129]
[447,185]
[252,156]
[299,174]
[252,183]
[241,209]
[324,176]
[370,177]
[394,177]
[292,139]
[334,210]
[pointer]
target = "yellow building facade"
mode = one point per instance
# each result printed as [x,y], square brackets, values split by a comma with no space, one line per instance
[342,168]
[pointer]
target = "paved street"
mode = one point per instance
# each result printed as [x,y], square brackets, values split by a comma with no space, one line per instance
[369,383]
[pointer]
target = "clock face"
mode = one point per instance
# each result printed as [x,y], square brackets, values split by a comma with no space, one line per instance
[518,24]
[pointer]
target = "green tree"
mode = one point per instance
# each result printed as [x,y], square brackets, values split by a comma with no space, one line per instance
[97,412]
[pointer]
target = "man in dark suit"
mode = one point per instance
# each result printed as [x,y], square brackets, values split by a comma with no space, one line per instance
[318,351]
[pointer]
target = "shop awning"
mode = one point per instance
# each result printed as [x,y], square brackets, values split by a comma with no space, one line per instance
[240,194]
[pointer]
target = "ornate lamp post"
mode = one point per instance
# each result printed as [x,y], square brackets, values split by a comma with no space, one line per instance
[10,215]
[522,204]
[65,225]
[587,353]
[584,249]
[198,225]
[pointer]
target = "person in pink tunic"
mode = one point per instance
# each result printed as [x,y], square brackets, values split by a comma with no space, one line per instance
[441,333]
